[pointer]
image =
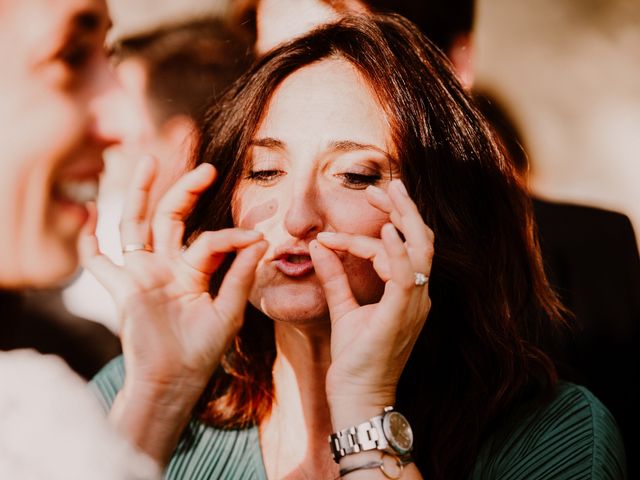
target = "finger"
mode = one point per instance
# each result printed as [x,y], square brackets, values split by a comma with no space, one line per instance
[134,226]
[401,293]
[402,273]
[379,199]
[236,286]
[360,246]
[105,271]
[207,251]
[419,237]
[168,222]
[333,279]
[87,240]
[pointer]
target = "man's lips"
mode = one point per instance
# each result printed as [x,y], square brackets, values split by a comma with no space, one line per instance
[78,183]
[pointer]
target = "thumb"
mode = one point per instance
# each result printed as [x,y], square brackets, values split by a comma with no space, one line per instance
[334,281]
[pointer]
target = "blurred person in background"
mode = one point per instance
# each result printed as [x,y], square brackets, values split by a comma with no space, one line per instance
[59,109]
[170,74]
[174,73]
[38,319]
[591,258]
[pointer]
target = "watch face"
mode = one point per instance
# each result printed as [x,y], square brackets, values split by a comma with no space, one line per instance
[398,432]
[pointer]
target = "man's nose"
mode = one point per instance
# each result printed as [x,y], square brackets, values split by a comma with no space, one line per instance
[110,109]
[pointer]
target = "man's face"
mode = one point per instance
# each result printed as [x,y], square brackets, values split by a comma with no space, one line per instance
[55,122]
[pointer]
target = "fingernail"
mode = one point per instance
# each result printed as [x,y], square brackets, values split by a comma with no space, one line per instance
[401,188]
[375,190]
[253,234]
[325,236]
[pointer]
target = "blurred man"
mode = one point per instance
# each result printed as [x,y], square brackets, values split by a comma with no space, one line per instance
[60,107]
[172,74]
[169,75]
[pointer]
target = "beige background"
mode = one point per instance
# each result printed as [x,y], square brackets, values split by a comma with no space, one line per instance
[570,70]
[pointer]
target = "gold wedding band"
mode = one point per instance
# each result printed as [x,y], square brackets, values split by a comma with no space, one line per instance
[420,279]
[135,247]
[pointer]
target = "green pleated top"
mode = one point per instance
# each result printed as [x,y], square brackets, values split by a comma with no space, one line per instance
[572,437]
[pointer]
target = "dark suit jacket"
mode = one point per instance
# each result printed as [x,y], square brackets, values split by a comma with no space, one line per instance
[591,257]
[39,320]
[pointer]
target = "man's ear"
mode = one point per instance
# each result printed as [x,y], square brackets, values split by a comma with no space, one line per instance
[462,56]
[180,133]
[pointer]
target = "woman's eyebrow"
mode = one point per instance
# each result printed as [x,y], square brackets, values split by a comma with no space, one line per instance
[351,146]
[267,142]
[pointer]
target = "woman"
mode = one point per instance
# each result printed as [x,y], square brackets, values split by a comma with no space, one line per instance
[348,149]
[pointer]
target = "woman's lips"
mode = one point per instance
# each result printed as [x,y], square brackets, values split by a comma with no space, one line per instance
[294,265]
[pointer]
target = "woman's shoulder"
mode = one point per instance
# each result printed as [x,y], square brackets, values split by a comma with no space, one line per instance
[203,451]
[571,436]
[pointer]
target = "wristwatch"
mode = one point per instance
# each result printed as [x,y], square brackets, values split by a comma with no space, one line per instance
[389,432]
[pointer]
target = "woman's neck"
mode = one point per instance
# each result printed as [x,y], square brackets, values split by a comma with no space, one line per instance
[294,437]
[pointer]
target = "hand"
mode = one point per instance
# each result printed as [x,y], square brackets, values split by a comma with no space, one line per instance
[173,332]
[371,344]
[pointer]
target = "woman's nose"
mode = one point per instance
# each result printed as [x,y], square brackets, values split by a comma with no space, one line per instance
[304,217]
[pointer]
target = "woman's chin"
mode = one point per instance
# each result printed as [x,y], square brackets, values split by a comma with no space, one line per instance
[299,308]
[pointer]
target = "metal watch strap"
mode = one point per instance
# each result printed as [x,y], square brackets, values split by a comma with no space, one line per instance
[368,435]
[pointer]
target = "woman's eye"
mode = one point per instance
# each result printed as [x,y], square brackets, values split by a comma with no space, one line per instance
[359,180]
[264,176]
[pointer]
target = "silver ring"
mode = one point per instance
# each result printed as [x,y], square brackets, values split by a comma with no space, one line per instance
[135,247]
[420,279]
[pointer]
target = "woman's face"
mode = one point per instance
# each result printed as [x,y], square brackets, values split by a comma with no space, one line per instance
[324,138]
[56,119]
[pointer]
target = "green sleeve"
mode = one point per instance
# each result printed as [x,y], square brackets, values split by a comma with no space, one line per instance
[204,452]
[573,437]
[108,382]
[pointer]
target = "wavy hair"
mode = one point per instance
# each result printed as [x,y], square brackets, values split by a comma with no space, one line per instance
[478,357]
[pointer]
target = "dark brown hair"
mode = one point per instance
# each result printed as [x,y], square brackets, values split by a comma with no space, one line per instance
[188,65]
[442,21]
[477,357]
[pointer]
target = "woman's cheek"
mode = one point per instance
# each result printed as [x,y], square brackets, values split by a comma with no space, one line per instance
[251,207]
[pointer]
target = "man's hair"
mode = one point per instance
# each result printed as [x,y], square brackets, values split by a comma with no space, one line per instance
[491,300]
[442,21]
[188,65]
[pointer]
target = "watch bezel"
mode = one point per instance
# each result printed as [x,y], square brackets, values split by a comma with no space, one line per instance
[391,436]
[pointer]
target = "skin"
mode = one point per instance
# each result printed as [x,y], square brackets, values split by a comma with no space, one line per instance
[169,141]
[173,332]
[307,168]
[56,121]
